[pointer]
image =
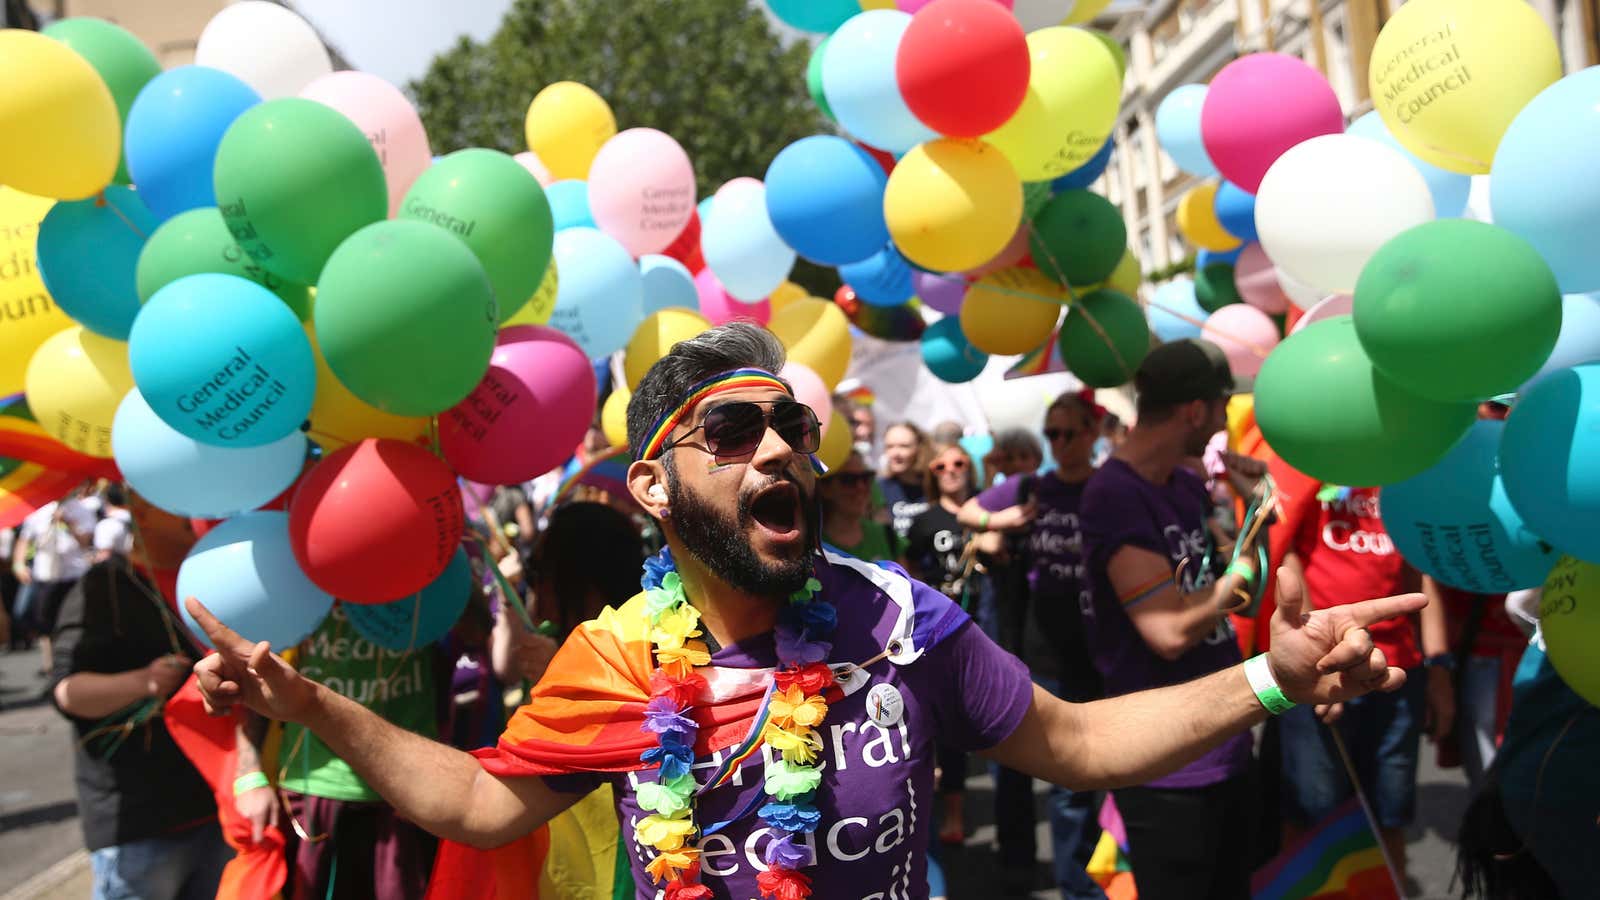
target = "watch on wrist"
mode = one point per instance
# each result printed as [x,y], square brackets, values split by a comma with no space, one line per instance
[1445,661]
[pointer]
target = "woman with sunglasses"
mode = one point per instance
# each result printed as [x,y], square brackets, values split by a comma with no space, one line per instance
[845,494]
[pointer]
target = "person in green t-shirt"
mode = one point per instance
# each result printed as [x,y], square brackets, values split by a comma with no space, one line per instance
[845,494]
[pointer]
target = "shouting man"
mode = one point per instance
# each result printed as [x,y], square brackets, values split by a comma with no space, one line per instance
[766,712]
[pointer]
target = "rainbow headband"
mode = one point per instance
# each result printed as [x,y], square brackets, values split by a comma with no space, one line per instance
[736,380]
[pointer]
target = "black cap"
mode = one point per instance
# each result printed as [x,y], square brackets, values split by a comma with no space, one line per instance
[1182,371]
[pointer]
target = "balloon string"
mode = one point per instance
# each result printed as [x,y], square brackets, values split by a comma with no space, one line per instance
[1073,299]
[100,200]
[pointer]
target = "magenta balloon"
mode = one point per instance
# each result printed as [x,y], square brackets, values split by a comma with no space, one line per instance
[1245,334]
[1257,281]
[1258,107]
[719,307]
[941,292]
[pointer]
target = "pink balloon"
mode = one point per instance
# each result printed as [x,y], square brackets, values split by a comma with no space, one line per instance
[810,390]
[1258,107]
[719,307]
[531,408]
[1326,308]
[531,161]
[1257,281]
[388,120]
[912,6]
[641,189]
[1245,334]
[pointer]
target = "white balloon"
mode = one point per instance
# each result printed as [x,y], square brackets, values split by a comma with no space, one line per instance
[1304,295]
[264,45]
[1330,202]
[1036,14]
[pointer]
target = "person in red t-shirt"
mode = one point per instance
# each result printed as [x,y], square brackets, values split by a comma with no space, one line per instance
[1343,553]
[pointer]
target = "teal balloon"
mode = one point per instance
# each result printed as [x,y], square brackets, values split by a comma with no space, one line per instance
[1175,312]
[569,204]
[245,573]
[821,16]
[223,361]
[89,254]
[666,283]
[600,298]
[948,354]
[1550,460]
[1450,190]
[423,618]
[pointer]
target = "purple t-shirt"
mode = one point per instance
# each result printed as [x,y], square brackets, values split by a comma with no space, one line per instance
[877,795]
[1122,509]
[1055,542]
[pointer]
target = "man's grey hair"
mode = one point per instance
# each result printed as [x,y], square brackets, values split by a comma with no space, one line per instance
[734,346]
[1018,442]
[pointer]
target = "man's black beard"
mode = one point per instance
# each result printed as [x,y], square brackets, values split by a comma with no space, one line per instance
[724,546]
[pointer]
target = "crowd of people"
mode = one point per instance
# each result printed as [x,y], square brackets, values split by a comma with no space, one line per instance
[1110,559]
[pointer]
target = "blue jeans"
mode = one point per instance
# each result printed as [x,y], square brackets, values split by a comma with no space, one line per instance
[1478,696]
[186,865]
[1383,734]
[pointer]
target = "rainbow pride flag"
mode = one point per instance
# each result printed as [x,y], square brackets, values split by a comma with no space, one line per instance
[1338,860]
[1041,361]
[23,438]
[25,486]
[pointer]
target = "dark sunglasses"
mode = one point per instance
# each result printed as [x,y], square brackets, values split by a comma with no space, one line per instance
[1060,434]
[958,465]
[851,479]
[736,428]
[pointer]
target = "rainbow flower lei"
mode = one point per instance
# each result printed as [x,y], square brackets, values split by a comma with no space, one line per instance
[796,706]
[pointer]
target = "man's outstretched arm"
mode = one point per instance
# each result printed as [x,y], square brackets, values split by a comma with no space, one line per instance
[1324,657]
[437,786]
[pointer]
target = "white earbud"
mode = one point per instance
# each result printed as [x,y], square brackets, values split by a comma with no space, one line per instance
[657,493]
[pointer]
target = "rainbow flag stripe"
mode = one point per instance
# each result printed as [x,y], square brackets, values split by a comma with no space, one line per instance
[1339,860]
[26,486]
[23,438]
[1043,360]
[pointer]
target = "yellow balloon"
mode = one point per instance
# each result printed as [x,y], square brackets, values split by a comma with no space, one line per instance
[1448,76]
[27,313]
[1128,276]
[63,135]
[339,417]
[1197,219]
[543,302]
[614,417]
[952,204]
[1085,11]
[835,447]
[1011,311]
[566,126]
[877,4]
[785,294]
[1071,106]
[817,335]
[75,380]
[657,334]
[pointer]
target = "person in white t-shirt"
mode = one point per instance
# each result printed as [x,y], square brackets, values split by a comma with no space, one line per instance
[52,553]
[113,534]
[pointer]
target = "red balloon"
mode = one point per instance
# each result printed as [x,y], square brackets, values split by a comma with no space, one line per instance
[963,66]
[885,159]
[686,246]
[847,300]
[376,521]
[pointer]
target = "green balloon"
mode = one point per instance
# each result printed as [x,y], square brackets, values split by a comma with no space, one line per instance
[1458,310]
[1104,338]
[1214,287]
[488,200]
[1115,47]
[198,241]
[1035,194]
[814,79]
[123,62]
[294,178]
[406,318]
[1078,237]
[1323,407]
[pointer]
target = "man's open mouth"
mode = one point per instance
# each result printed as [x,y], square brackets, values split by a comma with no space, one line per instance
[776,509]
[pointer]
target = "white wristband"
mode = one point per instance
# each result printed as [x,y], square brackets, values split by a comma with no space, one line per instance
[1259,673]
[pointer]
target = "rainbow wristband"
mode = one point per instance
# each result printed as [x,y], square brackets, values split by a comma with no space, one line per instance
[250,782]
[1259,673]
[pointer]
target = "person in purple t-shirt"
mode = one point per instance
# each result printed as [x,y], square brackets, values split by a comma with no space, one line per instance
[724,465]
[1160,603]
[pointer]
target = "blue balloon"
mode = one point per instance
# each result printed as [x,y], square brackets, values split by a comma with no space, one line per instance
[88,254]
[667,283]
[172,133]
[1172,309]
[223,361]
[1449,189]
[245,573]
[1550,460]
[1082,177]
[1545,182]
[569,204]
[825,198]
[1178,130]
[858,77]
[1456,523]
[413,622]
[600,297]
[947,353]
[882,279]
[1579,341]
[1236,212]
[1212,257]
[183,476]
[821,16]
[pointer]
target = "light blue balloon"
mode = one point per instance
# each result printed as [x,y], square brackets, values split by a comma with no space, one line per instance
[742,247]
[183,476]
[948,354]
[600,297]
[1236,212]
[1456,523]
[223,361]
[173,129]
[667,283]
[1449,189]
[1173,305]
[1178,130]
[421,619]
[825,197]
[1545,182]
[569,204]
[821,16]
[1550,460]
[245,573]
[882,279]
[88,254]
[703,209]
[1579,341]
[858,77]
[1082,177]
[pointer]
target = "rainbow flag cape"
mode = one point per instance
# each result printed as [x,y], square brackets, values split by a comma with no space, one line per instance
[1338,860]
[608,472]
[25,486]
[1041,361]
[22,437]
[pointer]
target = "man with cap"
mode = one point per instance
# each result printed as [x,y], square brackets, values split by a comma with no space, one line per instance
[1161,596]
